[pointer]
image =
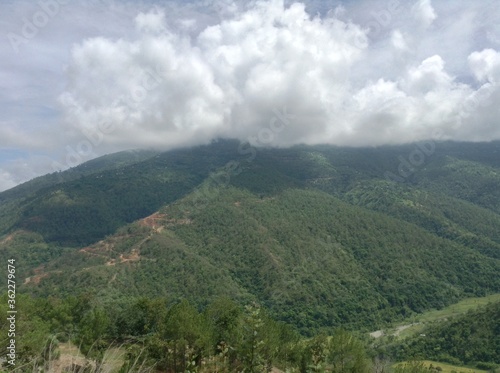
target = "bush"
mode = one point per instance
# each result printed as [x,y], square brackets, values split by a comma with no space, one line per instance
[486,366]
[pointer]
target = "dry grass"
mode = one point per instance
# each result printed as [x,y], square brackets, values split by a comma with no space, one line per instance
[71,360]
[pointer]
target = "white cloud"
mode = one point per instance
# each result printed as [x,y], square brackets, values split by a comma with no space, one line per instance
[424,12]
[428,76]
[225,82]
[398,40]
[486,65]
[153,21]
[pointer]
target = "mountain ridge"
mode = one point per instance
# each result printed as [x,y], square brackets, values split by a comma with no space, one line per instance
[315,233]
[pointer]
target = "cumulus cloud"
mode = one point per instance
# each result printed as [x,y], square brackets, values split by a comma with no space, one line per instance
[486,65]
[170,88]
[398,40]
[424,12]
[153,21]
[175,74]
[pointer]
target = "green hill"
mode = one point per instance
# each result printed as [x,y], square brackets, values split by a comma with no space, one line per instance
[319,235]
[472,339]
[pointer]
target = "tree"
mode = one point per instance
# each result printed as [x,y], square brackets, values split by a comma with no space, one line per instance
[223,315]
[346,354]
[92,333]
[252,344]
[188,335]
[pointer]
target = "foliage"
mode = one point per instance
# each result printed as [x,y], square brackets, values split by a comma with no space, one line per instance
[319,236]
[472,339]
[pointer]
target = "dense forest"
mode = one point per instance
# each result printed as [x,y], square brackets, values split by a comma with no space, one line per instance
[324,239]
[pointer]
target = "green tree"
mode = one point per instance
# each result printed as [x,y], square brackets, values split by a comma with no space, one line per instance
[223,315]
[346,354]
[31,331]
[188,335]
[251,349]
[92,335]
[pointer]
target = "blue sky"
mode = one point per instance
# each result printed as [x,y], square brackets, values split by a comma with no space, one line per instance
[79,79]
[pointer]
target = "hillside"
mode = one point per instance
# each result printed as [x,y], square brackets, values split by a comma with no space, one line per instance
[471,339]
[322,236]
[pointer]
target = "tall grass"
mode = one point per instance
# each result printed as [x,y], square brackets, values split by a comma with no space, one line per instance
[52,360]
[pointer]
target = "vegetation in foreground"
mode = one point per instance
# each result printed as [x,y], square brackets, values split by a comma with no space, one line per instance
[176,337]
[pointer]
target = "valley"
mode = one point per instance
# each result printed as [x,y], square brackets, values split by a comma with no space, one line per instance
[315,237]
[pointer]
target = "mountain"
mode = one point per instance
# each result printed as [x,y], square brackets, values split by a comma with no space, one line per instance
[323,236]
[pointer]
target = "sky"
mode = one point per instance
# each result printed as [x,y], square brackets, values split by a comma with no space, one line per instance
[80,79]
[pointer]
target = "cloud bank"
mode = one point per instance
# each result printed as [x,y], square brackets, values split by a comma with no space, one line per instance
[348,73]
[166,87]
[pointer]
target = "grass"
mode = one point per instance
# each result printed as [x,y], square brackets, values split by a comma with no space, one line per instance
[448,312]
[70,358]
[417,323]
[114,357]
[458,308]
[447,368]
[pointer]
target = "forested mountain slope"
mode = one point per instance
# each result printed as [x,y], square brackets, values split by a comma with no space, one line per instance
[323,236]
